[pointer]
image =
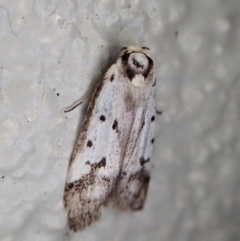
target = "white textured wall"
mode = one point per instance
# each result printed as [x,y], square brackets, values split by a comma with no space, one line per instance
[52,53]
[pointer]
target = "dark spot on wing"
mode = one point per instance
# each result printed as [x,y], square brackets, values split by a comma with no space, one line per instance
[89,143]
[102,163]
[106,179]
[153,118]
[146,48]
[102,118]
[112,78]
[143,161]
[143,124]
[152,141]
[94,166]
[115,125]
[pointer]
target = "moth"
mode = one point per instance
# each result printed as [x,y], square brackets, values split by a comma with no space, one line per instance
[111,158]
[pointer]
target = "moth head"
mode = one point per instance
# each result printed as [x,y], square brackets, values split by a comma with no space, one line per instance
[136,64]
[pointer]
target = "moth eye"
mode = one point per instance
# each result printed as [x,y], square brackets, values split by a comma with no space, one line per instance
[137,64]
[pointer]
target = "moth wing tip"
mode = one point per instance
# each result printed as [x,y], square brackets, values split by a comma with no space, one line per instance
[79,221]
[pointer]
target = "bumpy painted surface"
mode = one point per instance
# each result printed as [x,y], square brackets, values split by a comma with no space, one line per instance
[52,53]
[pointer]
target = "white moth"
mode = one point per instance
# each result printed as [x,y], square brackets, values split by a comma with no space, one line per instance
[110,161]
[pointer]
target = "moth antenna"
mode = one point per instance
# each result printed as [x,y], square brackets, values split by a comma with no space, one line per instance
[77,104]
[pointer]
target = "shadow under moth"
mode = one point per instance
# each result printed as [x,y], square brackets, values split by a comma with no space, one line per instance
[110,161]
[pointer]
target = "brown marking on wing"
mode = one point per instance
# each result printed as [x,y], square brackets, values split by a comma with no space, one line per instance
[82,211]
[125,199]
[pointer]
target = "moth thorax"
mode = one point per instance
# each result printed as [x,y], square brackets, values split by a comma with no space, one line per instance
[138,64]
